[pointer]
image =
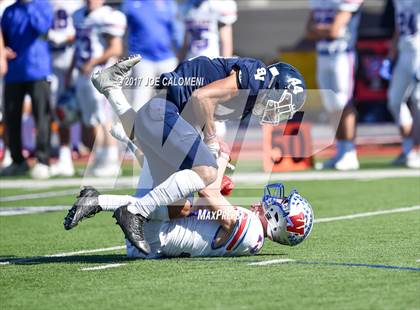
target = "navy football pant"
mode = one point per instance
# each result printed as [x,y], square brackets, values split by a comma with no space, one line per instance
[169,142]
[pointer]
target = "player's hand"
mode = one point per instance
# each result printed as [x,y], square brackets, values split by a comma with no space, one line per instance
[227,186]
[87,68]
[10,54]
[214,147]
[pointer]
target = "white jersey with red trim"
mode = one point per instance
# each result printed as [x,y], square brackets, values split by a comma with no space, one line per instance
[202,24]
[195,237]
[407,19]
[92,29]
[324,12]
[62,29]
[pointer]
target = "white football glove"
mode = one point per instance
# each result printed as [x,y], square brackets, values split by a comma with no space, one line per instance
[214,148]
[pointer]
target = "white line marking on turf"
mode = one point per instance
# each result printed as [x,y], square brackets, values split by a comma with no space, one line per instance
[64,254]
[365,214]
[259,177]
[39,195]
[102,267]
[418,261]
[272,262]
[9,211]
[131,182]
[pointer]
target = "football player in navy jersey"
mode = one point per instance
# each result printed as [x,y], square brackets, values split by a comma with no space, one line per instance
[182,158]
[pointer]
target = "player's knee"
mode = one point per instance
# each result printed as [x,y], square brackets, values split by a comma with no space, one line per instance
[207,173]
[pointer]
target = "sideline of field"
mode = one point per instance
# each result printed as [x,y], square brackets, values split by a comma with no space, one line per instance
[238,177]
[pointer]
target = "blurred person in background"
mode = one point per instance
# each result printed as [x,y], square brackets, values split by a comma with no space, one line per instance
[154,33]
[405,78]
[61,38]
[99,32]
[333,24]
[208,32]
[25,25]
[6,159]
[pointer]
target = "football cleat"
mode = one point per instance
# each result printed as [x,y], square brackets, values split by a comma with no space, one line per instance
[86,205]
[132,226]
[113,77]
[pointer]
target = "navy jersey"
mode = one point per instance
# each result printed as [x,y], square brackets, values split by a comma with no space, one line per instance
[190,75]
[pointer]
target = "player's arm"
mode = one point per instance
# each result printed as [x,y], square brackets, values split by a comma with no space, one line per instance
[333,30]
[182,52]
[206,99]
[310,28]
[226,40]
[392,53]
[114,49]
[3,59]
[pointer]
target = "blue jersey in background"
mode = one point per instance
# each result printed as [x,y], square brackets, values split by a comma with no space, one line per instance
[152,28]
[25,27]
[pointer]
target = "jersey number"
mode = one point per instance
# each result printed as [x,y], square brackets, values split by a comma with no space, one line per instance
[60,19]
[407,23]
[260,75]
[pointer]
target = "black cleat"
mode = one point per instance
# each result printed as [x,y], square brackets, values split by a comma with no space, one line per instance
[86,206]
[132,226]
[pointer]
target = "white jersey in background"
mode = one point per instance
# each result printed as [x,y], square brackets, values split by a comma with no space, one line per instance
[324,12]
[92,29]
[62,29]
[194,237]
[407,18]
[202,23]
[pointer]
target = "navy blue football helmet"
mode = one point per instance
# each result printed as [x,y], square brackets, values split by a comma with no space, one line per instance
[285,96]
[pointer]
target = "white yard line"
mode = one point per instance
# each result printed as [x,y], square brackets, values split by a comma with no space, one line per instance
[39,195]
[9,211]
[272,262]
[366,214]
[257,177]
[64,254]
[101,267]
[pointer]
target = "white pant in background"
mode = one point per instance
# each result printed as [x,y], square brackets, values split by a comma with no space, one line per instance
[140,93]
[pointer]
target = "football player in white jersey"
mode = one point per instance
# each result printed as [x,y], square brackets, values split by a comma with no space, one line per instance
[208,28]
[333,24]
[208,32]
[61,37]
[196,232]
[405,80]
[99,32]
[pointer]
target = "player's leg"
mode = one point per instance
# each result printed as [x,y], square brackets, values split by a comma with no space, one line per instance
[64,165]
[13,103]
[340,106]
[400,88]
[39,92]
[413,157]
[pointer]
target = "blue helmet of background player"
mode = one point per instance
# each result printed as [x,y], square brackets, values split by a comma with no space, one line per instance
[285,96]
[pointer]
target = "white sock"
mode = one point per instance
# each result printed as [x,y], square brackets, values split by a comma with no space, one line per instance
[65,154]
[111,154]
[113,202]
[118,101]
[179,185]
